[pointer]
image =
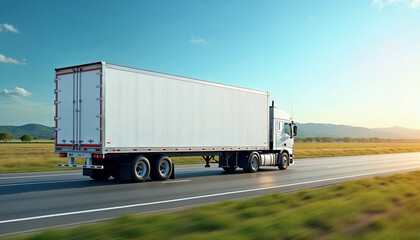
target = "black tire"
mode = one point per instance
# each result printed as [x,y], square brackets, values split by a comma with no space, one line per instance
[253,163]
[284,161]
[229,169]
[161,168]
[140,169]
[100,175]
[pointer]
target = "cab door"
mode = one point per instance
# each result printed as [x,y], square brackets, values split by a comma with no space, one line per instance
[286,136]
[283,133]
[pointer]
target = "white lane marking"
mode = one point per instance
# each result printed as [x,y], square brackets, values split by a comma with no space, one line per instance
[192,167]
[177,181]
[195,197]
[35,183]
[35,176]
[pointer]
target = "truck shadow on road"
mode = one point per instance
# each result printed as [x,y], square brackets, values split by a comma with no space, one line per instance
[86,182]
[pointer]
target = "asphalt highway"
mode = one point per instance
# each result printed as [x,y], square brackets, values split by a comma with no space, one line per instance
[36,201]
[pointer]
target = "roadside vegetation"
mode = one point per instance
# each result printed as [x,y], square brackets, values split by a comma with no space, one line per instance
[349,140]
[38,155]
[377,208]
[337,149]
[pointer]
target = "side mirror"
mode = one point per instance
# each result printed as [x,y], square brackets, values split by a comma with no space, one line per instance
[294,130]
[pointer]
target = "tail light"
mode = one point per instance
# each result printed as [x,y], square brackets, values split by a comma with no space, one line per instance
[100,156]
[63,154]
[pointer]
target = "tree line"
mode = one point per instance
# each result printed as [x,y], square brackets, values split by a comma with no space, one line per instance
[346,139]
[5,136]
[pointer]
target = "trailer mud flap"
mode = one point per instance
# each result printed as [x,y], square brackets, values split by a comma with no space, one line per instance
[125,172]
[173,172]
[87,172]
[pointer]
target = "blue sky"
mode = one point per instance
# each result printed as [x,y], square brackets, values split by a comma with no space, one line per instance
[354,62]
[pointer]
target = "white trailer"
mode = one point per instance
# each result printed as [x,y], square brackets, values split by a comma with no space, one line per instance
[128,122]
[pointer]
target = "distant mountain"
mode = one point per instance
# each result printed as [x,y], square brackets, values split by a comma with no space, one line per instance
[337,131]
[304,130]
[408,133]
[35,130]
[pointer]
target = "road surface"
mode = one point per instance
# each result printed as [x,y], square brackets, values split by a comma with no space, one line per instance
[35,201]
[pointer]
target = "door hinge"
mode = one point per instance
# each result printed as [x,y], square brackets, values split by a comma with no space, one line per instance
[56,102]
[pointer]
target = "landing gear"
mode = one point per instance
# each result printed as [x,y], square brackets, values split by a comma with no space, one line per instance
[208,159]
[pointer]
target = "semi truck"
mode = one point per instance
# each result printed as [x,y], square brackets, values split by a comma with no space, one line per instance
[127,123]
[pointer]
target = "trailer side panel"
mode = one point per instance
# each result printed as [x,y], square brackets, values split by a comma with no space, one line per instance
[149,111]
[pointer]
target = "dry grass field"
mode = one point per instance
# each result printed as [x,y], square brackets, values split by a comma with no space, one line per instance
[311,150]
[39,156]
[28,157]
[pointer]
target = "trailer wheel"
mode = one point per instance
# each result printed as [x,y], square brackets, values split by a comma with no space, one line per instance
[284,161]
[253,163]
[100,175]
[229,169]
[161,168]
[140,169]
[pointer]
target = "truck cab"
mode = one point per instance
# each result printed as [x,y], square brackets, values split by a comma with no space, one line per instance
[282,132]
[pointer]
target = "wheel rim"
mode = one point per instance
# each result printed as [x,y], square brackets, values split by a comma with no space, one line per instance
[254,163]
[164,168]
[284,160]
[141,169]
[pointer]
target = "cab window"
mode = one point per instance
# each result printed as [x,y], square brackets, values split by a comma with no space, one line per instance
[287,129]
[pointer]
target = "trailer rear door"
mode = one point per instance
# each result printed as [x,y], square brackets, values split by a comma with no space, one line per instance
[78,107]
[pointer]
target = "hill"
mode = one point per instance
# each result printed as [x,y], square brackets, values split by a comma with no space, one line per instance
[305,130]
[338,131]
[35,130]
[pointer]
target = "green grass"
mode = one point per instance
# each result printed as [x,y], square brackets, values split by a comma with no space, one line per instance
[39,155]
[377,208]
